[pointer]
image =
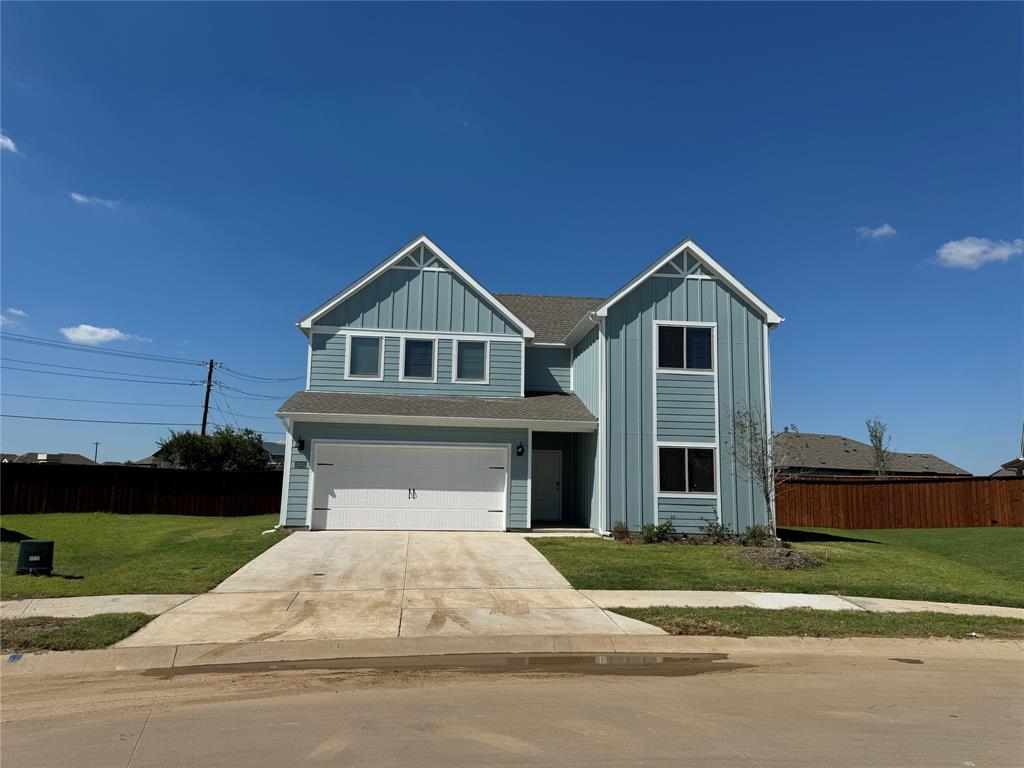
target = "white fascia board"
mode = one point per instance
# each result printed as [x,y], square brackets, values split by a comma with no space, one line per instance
[441,421]
[586,324]
[770,315]
[307,322]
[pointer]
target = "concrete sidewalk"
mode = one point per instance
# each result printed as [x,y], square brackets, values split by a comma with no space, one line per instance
[318,654]
[645,598]
[77,607]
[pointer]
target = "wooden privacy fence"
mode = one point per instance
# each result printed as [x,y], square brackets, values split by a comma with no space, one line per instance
[36,488]
[836,502]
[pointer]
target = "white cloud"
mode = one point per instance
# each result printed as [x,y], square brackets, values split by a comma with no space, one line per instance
[90,334]
[97,201]
[974,252]
[17,312]
[876,233]
[11,316]
[7,143]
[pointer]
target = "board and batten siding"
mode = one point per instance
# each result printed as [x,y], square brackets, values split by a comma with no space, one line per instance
[630,372]
[418,300]
[299,478]
[327,370]
[548,369]
[586,370]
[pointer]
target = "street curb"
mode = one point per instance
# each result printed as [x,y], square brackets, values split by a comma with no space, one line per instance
[309,652]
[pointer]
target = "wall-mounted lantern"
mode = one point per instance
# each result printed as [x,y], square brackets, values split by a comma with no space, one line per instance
[520,450]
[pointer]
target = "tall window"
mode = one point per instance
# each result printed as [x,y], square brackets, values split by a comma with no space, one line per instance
[418,357]
[686,470]
[471,361]
[684,348]
[364,358]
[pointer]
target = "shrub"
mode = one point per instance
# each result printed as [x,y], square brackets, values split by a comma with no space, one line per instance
[649,533]
[716,532]
[756,536]
[620,532]
[665,531]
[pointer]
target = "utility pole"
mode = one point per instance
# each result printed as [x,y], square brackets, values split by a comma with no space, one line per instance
[95,452]
[206,402]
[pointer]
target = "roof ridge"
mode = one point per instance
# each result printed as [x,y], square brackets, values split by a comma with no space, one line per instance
[550,296]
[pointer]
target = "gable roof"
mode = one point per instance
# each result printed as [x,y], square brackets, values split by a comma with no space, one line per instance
[54,458]
[769,314]
[805,450]
[307,322]
[550,317]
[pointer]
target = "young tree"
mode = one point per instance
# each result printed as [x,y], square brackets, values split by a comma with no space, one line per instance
[755,449]
[881,456]
[227,449]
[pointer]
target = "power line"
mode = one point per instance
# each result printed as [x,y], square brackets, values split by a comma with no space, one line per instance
[253,378]
[101,402]
[97,421]
[94,370]
[258,395]
[38,341]
[181,383]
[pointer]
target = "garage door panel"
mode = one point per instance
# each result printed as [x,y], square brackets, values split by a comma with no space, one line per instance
[410,487]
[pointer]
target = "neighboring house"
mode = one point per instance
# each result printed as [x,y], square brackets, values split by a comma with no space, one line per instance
[275,455]
[432,403]
[1014,467]
[153,461]
[805,453]
[8,458]
[54,458]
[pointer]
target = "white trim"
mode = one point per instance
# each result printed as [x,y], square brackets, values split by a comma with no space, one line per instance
[381,341]
[315,443]
[529,477]
[487,361]
[334,330]
[444,258]
[604,516]
[695,250]
[309,362]
[581,329]
[549,344]
[686,324]
[440,421]
[401,361]
[286,480]
[660,494]
[522,369]
[768,419]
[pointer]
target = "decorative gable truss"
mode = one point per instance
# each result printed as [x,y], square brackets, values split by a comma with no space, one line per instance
[684,265]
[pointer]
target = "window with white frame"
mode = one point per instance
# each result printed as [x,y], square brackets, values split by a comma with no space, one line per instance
[686,470]
[364,357]
[471,361]
[418,359]
[685,348]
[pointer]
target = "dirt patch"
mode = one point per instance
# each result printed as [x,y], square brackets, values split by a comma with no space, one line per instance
[778,558]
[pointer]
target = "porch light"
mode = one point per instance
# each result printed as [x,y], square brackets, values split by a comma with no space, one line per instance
[520,450]
[300,445]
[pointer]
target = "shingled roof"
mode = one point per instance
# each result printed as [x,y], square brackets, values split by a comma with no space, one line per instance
[550,317]
[835,454]
[545,407]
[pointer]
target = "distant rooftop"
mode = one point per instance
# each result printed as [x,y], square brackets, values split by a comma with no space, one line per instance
[822,454]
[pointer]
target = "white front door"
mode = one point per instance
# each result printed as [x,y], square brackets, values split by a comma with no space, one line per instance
[546,496]
[410,486]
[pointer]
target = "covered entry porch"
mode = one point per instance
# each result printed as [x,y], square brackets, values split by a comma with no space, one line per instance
[563,487]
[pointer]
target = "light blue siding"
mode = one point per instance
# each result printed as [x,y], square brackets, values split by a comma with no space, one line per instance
[586,370]
[688,515]
[630,369]
[327,370]
[548,369]
[418,300]
[309,431]
[686,407]
[579,489]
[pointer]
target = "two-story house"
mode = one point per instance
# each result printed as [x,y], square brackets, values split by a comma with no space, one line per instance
[433,404]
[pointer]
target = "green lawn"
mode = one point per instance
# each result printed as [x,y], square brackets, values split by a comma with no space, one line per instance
[966,565]
[747,622]
[105,554]
[45,633]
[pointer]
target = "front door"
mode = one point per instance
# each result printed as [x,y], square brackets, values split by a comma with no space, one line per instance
[546,498]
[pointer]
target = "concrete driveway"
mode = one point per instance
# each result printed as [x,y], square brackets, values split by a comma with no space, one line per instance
[356,584]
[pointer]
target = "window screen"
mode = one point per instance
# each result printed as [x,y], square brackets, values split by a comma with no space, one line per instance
[364,357]
[700,470]
[472,362]
[670,346]
[698,348]
[672,469]
[419,359]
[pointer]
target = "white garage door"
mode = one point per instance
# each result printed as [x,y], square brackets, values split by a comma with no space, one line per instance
[400,486]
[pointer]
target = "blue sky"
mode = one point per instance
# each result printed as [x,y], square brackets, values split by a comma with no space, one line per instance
[197,176]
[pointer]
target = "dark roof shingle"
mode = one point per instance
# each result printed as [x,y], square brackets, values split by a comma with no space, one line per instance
[810,451]
[530,408]
[549,317]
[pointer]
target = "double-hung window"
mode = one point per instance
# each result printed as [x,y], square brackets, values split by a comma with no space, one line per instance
[686,470]
[685,348]
[471,361]
[365,358]
[418,359]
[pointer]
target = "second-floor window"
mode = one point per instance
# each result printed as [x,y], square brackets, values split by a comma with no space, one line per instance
[471,361]
[364,358]
[418,359]
[684,348]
